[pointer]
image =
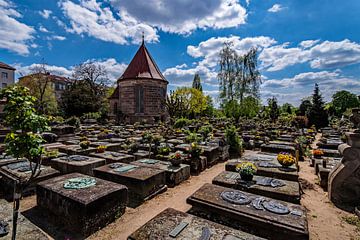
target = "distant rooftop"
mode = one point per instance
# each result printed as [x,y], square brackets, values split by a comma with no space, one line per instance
[51,76]
[4,65]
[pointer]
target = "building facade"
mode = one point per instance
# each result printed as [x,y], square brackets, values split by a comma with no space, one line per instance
[141,90]
[7,75]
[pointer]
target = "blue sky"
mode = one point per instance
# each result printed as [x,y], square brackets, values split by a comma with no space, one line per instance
[300,42]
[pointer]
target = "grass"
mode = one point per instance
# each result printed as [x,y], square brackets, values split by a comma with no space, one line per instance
[352,220]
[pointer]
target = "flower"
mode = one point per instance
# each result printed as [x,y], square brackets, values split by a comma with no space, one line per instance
[246,168]
[286,159]
[318,152]
[101,149]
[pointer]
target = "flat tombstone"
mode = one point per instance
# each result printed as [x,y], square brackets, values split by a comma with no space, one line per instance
[288,191]
[183,147]
[277,148]
[212,153]
[141,154]
[85,207]
[76,150]
[173,224]
[25,229]
[252,213]
[21,171]
[174,174]
[77,163]
[109,146]
[142,182]
[113,157]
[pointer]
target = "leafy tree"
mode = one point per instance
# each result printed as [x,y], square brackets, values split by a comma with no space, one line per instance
[304,107]
[343,100]
[250,107]
[232,109]
[317,115]
[87,93]
[238,75]
[210,109]
[197,82]
[193,101]
[39,83]
[24,139]
[287,108]
[274,109]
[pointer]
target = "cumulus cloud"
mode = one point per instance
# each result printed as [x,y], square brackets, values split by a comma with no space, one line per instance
[276,8]
[45,13]
[43,29]
[56,37]
[18,36]
[91,18]
[112,67]
[183,17]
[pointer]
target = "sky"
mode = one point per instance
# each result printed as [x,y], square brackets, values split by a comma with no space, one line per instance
[300,42]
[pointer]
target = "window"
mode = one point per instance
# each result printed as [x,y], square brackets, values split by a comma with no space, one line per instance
[4,75]
[3,85]
[139,99]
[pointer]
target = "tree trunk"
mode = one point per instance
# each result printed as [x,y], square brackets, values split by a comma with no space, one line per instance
[16,207]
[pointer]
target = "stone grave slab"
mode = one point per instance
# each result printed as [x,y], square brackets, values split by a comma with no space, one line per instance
[142,154]
[267,168]
[288,191]
[277,148]
[25,229]
[83,208]
[330,152]
[211,152]
[175,141]
[173,224]
[109,146]
[76,150]
[196,165]
[4,160]
[330,144]
[113,157]
[286,143]
[77,163]
[184,147]
[143,182]
[265,217]
[116,140]
[20,172]
[174,174]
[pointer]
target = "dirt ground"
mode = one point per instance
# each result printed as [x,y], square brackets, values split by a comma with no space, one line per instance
[325,220]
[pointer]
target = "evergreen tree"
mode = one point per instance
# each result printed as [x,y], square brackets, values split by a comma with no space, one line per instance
[317,115]
[197,82]
[304,107]
[274,109]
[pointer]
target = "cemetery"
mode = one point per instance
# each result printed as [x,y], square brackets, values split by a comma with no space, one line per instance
[142,160]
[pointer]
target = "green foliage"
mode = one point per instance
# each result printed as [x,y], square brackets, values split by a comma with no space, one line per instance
[24,140]
[205,131]
[232,109]
[182,122]
[194,101]
[192,137]
[84,144]
[317,115]
[195,151]
[91,115]
[233,139]
[287,108]
[304,107]
[343,100]
[274,109]
[197,82]
[73,121]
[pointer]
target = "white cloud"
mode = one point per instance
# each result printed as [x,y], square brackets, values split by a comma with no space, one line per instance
[183,17]
[276,8]
[43,29]
[45,13]
[308,43]
[89,17]
[17,36]
[57,37]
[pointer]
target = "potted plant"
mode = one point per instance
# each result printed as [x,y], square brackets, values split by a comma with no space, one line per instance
[286,159]
[101,149]
[234,141]
[194,151]
[246,170]
[85,144]
[317,153]
[176,159]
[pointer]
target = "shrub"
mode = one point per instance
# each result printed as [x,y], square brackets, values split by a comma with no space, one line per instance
[84,144]
[233,139]
[73,121]
[181,122]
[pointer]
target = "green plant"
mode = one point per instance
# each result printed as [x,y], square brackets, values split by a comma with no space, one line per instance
[24,139]
[181,122]
[194,150]
[101,149]
[52,153]
[73,121]
[246,168]
[84,144]
[192,137]
[164,150]
[205,131]
[233,139]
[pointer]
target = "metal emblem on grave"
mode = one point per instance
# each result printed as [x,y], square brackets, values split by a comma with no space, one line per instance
[4,228]
[235,197]
[20,166]
[205,234]
[270,182]
[77,158]
[79,183]
[275,207]
[268,165]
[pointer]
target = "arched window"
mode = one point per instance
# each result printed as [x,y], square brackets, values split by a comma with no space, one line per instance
[139,99]
[115,108]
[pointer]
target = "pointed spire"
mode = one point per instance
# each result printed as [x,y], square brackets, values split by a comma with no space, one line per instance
[143,37]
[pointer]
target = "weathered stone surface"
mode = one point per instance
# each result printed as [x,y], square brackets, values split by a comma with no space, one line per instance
[196,165]
[344,179]
[76,150]
[289,223]
[77,163]
[289,192]
[212,153]
[19,172]
[174,175]
[277,148]
[142,182]
[25,229]
[113,157]
[109,146]
[82,210]
[164,223]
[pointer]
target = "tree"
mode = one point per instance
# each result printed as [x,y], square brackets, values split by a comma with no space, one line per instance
[304,107]
[238,75]
[342,100]
[274,109]
[250,107]
[193,102]
[197,82]
[287,108]
[87,93]
[317,115]
[39,84]
[24,139]
[232,109]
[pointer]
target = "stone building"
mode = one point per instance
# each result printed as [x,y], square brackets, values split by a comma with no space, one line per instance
[140,91]
[7,76]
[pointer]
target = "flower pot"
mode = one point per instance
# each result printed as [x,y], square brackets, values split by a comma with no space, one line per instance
[246,177]
[175,162]
[318,156]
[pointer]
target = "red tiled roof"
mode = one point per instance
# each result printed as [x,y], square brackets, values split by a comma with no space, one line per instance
[142,66]
[52,77]
[4,65]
